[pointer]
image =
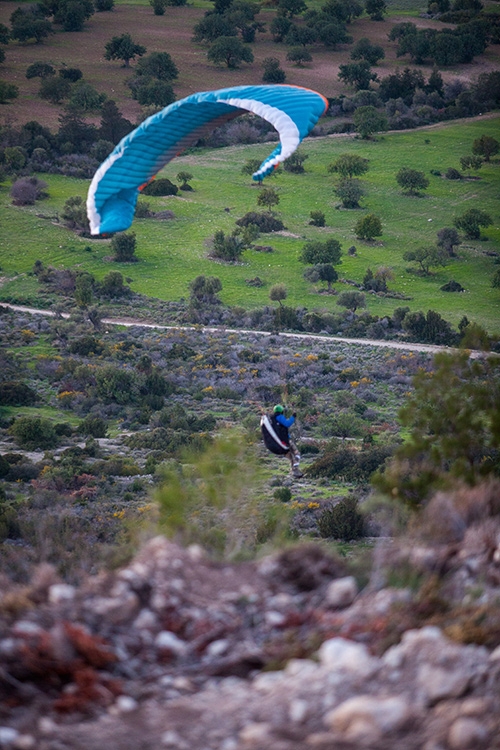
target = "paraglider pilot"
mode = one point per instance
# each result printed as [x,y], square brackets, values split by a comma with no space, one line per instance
[277,439]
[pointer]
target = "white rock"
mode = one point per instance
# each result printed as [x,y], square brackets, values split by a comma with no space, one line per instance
[217,648]
[341,654]
[167,641]
[274,618]
[495,654]
[46,725]
[145,620]
[25,742]
[116,610]
[26,628]
[367,717]
[173,739]
[341,592]
[255,732]
[298,710]
[196,553]
[8,735]
[61,592]
[8,647]
[437,684]
[466,733]
[125,704]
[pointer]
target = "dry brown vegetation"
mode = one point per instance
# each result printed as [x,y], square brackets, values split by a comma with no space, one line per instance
[172,33]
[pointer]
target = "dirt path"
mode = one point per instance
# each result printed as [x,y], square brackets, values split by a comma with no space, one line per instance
[130,322]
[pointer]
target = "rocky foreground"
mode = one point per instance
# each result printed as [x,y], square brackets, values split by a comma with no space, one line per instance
[175,651]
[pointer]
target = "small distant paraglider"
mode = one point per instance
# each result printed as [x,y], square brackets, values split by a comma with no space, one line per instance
[134,162]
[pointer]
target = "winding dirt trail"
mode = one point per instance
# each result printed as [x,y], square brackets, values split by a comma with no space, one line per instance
[131,322]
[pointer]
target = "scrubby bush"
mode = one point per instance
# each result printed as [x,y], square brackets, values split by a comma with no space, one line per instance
[160,187]
[342,521]
[283,494]
[123,246]
[34,433]
[265,222]
[93,426]
[26,190]
[317,219]
[15,393]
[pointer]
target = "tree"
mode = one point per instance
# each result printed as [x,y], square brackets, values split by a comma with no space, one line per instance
[376,9]
[322,272]
[159,6]
[29,23]
[84,289]
[278,293]
[411,180]
[34,433]
[152,92]
[72,14]
[295,163]
[123,48]
[448,239]
[350,192]
[471,162]
[54,89]
[367,121]
[357,74]
[113,125]
[40,70]
[184,178]
[486,146]
[227,247]
[268,197]
[279,28]
[291,8]
[352,300]
[157,65]
[8,91]
[112,285]
[229,50]
[204,290]
[74,214]
[211,27]
[454,435]
[71,74]
[428,256]
[349,165]
[317,219]
[299,56]
[26,190]
[85,98]
[471,222]
[315,252]
[368,227]
[273,73]
[300,36]
[123,246]
[365,50]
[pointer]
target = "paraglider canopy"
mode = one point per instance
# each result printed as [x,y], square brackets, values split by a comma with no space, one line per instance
[114,189]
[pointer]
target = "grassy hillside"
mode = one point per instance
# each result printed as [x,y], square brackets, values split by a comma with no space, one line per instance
[174,252]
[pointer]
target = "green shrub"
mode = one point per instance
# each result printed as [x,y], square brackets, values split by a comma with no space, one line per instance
[162,186]
[342,521]
[34,432]
[283,494]
[93,426]
[14,393]
[265,222]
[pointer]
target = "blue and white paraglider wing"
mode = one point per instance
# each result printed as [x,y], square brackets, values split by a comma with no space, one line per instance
[114,189]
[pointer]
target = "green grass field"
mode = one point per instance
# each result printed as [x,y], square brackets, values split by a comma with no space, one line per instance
[174,252]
